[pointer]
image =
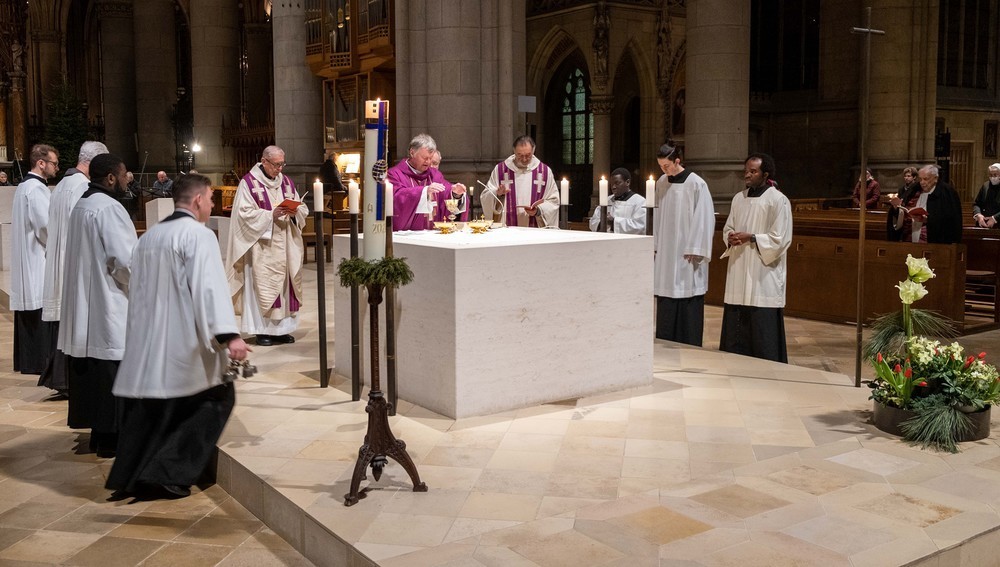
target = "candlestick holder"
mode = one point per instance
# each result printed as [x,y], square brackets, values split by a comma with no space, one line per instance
[603,227]
[564,216]
[649,221]
[355,320]
[324,370]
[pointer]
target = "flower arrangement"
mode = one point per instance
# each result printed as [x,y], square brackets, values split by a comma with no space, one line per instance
[937,382]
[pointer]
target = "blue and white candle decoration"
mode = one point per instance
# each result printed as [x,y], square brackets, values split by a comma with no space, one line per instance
[376,164]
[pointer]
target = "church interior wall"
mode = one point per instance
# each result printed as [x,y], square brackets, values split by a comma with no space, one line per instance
[967,128]
[156,81]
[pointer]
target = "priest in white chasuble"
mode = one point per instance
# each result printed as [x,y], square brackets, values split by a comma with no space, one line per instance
[758,233]
[95,301]
[175,400]
[626,208]
[522,191]
[264,259]
[684,224]
[64,198]
[33,337]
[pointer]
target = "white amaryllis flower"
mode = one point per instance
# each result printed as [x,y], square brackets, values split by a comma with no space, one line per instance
[918,268]
[910,291]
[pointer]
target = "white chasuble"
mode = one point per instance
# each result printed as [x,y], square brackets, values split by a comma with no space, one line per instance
[529,185]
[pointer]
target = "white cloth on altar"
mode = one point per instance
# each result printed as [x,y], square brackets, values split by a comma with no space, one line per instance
[757,272]
[524,180]
[29,227]
[180,302]
[98,259]
[629,216]
[64,198]
[684,224]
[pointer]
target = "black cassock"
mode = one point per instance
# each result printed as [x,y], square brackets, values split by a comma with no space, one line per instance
[754,331]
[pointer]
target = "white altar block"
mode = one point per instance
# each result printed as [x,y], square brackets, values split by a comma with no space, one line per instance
[7,203]
[221,227]
[512,318]
[157,210]
[5,238]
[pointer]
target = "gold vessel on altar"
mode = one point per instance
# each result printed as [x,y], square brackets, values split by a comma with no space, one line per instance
[444,227]
[480,226]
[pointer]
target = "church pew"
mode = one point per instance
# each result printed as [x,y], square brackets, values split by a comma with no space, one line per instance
[822,278]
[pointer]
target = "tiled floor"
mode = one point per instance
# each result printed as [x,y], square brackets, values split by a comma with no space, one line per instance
[723,460]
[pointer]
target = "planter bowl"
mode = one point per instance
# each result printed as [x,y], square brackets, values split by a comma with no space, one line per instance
[888,419]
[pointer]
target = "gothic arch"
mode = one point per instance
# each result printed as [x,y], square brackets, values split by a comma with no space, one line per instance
[555,47]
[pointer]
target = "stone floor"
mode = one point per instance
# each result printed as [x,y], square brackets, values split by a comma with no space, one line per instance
[723,460]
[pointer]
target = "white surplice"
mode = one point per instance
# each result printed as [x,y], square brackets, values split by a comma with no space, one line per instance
[95,293]
[524,179]
[629,215]
[264,258]
[64,198]
[757,272]
[29,228]
[179,292]
[684,224]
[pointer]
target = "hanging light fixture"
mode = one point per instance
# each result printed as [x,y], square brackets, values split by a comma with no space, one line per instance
[340,17]
[347,10]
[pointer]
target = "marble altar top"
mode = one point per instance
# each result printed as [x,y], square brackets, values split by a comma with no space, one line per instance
[507,236]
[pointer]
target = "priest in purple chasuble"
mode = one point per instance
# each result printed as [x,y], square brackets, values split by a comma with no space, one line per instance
[264,258]
[525,188]
[420,190]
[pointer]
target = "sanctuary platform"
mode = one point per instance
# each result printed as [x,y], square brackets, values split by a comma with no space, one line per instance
[512,318]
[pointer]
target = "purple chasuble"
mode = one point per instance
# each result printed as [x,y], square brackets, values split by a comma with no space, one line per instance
[407,186]
[539,180]
[259,194]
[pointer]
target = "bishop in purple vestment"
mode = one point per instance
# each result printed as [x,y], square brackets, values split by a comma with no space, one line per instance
[414,181]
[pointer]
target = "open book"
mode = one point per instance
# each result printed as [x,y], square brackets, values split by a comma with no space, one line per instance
[533,205]
[290,204]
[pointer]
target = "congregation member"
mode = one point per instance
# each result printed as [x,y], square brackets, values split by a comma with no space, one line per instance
[29,239]
[436,159]
[872,192]
[419,190]
[95,301]
[4,182]
[935,214]
[986,208]
[522,191]
[163,185]
[329,173]
[899,223]
[757,234]
[264,257]
[175,400]
[684,224]
[626,208]
[65,196]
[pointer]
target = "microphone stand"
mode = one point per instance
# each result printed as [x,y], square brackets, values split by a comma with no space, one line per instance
[501,202]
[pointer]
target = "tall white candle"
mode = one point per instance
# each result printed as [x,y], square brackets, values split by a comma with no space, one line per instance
[602,192]
[353,198]
[564,192]
[318,195]
[388,198]
[650,192]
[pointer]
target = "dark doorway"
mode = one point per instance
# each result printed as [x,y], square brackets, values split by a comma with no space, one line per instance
[569,131]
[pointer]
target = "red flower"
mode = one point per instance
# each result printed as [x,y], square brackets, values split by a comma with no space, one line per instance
[908,373]
[922,383]
[879,357]
[969,361]
[982,355]
[898,368]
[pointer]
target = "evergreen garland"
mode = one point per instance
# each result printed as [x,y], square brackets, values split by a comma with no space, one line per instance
[385,272]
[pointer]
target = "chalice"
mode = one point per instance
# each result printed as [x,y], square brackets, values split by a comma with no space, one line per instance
[452,206]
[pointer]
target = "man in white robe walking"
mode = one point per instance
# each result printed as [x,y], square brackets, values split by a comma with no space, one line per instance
[522,190]
[33,344]
[95,302]
[64,198]
[626,208]
[684,225]
[264,258]
[758,233]
[175,400]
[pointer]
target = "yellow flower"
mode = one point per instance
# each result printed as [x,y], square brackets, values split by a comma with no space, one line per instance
[919,270]
[910,291]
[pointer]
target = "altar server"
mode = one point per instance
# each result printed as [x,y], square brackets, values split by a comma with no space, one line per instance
[29,239]
[683,229]
[175,401]
[264,258]
[523,189]
[626,208]
[420,190]
[95,301]
[758,233]
[64,198]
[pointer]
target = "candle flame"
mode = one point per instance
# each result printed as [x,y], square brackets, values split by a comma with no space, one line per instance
[603,179]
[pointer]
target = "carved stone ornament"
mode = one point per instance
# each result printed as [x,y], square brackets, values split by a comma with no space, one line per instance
[602,105]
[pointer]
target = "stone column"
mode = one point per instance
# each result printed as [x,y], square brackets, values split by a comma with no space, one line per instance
[118,78]
[460,67]
[215,79]
[298,108]
[47,64]
[4,142]
[601,106]
[718,94]
[155,81]
[18,116]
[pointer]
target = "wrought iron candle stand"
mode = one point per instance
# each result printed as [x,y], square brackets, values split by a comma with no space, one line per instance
[649,221]
[324,369]
[564,216]
[604,219]
[355,320]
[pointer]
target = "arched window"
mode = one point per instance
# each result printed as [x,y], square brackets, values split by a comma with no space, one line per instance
[577,121]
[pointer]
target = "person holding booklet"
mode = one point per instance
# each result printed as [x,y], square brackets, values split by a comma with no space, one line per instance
[264,259]
[930,213]
[522,191]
